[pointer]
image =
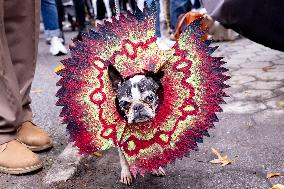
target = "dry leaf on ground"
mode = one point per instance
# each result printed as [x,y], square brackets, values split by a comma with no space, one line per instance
[280,104]
[37,91]
[58,68]
[98,154]
[51,76]
[267,68]
[269,175]
[277,186]
[223,160]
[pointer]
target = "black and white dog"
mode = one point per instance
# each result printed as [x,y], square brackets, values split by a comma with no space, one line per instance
[137,100]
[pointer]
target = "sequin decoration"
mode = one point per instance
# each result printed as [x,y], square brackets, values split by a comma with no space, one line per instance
[193,84]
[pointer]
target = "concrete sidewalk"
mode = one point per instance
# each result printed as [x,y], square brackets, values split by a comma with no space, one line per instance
[250,132]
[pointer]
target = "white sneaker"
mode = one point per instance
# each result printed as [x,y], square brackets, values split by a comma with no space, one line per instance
[56,47]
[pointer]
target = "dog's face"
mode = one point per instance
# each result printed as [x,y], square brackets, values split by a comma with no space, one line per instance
[137,97]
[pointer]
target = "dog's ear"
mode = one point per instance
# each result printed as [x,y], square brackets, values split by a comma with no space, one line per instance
[114,77]
[159,75]
[156,76]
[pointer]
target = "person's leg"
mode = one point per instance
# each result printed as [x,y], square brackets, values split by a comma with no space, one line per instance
[108,8]
[101,10]
[71,21]
[50,18]
[90,9]
[164,18]
[196,4]
[60,10]
[124,5]
[15,158]
[23,58]
[61,14]
[133,5]
[140,4]
[22,33]
[178,7]
[112,7]
[52,31]
[158,31]
[10,98]
[80,14]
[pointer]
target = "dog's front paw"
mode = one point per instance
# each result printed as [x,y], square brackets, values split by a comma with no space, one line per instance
[126,176]
[159,172]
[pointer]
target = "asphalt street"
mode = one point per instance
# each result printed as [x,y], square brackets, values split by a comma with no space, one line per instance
[250,131]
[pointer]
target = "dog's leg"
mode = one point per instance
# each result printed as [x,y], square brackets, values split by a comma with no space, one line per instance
[126,177]
[159,172]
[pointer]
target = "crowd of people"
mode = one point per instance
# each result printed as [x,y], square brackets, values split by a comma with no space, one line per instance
[78,14]
[81,14]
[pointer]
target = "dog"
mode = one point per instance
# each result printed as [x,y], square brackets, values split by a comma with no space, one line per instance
[137,101]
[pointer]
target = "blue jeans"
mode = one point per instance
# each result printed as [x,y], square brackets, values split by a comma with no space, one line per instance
[50,18]
[177,7]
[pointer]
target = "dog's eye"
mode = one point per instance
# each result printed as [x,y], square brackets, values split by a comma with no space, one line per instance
[149,98]
[142,88]
[124,104]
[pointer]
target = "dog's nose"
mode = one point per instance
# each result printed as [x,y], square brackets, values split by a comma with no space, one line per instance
[138,107]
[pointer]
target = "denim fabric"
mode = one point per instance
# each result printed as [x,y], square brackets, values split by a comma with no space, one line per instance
[196,4]
[158,33]
[50,18]
[149,2]
[177,7]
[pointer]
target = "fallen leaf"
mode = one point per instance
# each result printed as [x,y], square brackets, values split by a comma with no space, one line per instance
[98,154]
[216,153]
[267,68]
[51,76]
[249,124]
[269,175]
[280,104]
[58,68]
[277,186]
[37,91]
[223,160]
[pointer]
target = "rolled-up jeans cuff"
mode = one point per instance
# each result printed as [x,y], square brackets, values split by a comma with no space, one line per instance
[51,33]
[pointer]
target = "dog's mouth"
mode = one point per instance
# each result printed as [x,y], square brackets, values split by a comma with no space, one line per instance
[142,118]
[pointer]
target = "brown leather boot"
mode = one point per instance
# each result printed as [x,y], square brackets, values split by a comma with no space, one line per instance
[15,158]
[33,137]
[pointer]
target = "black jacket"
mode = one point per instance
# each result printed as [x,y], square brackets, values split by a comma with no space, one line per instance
[259,20]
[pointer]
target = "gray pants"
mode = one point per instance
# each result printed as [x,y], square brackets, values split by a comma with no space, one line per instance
[19,31]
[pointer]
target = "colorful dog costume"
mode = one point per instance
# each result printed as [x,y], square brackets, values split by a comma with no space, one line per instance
[192,84]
